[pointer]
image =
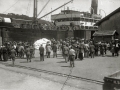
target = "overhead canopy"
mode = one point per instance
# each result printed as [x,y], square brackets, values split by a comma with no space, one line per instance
[105,33]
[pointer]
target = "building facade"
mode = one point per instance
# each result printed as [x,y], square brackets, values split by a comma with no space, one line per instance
[110,23]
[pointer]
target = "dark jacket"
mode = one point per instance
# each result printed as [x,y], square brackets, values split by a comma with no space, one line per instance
[54,48]
[41,49]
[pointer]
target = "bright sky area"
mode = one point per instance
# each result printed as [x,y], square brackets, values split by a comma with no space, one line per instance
[26,6]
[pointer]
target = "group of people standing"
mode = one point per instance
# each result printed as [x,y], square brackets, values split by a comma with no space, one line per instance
[11,50]
[79,49]
[70,49]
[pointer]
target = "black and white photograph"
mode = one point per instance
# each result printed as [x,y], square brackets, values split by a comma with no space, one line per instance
[59,44]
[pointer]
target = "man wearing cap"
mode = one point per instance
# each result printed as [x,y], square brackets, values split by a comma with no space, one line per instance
[54,50]
[28,54]
[72,56]
[13,52]
[48,50]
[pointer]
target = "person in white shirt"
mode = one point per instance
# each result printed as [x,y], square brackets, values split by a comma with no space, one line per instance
[48,50]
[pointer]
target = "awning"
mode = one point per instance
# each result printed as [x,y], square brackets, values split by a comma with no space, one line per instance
[105,33]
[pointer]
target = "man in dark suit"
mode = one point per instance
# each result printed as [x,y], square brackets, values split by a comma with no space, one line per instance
[41,50]
[54,50]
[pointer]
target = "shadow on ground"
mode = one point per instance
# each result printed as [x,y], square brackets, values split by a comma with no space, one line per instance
[24,62]
[61,62]
[65,66]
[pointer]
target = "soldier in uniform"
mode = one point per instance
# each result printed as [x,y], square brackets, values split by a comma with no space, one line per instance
[92,50]
[5,53]
[48,50]
[28,54]
[41,51]
[66,53]
[13,52]
[72,57]
[54,50]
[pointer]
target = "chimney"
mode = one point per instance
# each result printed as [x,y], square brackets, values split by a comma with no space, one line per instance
[94,6]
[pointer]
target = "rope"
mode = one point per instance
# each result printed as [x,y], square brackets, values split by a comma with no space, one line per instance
[43,8]
[55,9]
[67,78]
[11,6]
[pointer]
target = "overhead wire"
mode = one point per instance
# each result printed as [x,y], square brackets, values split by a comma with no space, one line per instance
[11,6]
[55,9]
[64,13]
[43,8]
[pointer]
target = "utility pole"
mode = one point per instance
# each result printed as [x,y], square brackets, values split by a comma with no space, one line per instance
[35,11]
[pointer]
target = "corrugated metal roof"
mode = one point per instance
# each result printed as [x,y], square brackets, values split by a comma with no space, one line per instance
[108,16]
[105,33]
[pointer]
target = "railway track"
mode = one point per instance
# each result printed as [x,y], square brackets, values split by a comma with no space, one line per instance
[58,74]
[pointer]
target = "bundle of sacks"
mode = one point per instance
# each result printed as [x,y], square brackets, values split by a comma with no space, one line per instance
[42,41]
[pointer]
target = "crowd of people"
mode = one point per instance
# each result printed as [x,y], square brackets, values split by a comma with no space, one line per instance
[71,49]
[11,50]
[79,49]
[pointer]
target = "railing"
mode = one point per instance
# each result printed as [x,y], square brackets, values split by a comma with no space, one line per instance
[76,27]
[62,27]
[89,27]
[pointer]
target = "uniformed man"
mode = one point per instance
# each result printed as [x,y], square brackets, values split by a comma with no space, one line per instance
[13,52]
[72,57]
[28,54]
[41,51]
[54,50]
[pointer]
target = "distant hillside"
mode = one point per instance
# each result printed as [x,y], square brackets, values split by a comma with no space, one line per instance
[17,16]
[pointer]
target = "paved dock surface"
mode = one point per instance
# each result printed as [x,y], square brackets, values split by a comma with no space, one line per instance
[90,68]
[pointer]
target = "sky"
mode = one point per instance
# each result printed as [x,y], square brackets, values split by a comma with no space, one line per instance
[25,7]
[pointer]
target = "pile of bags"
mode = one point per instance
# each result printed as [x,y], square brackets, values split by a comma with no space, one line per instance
[42,41]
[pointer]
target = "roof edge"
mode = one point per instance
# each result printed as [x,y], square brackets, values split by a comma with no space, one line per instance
[108,16]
